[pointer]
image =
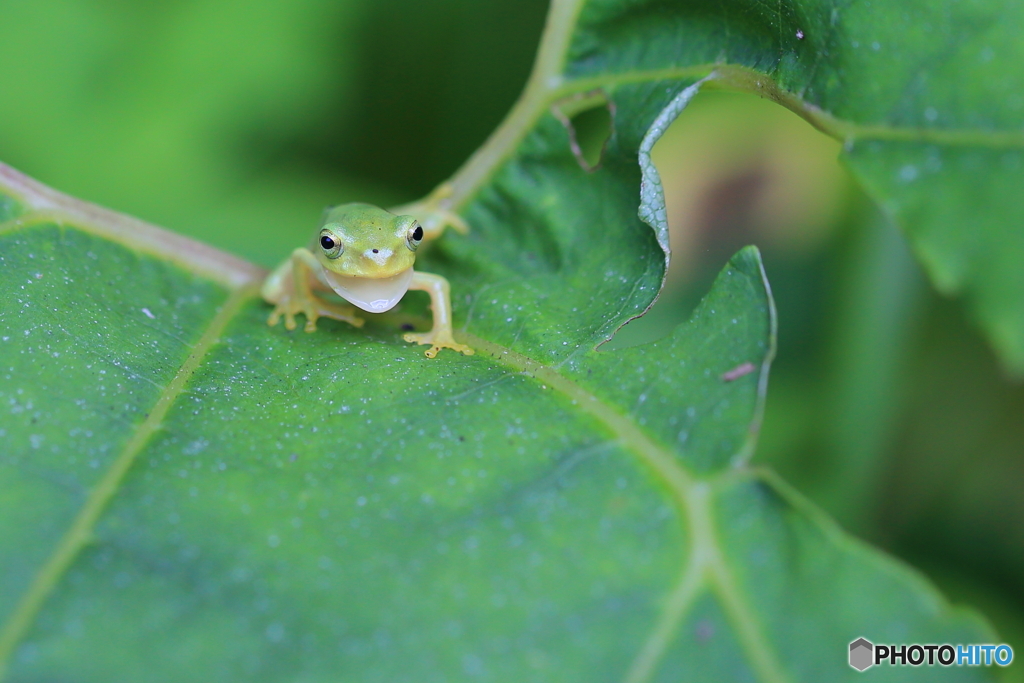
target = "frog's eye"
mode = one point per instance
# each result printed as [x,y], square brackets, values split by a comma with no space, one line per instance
[415,236]
[332,246]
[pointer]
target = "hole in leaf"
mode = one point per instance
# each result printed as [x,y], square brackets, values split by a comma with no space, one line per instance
[589,119]
[739,169]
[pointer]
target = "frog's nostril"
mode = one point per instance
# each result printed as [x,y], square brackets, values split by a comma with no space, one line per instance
[378,255]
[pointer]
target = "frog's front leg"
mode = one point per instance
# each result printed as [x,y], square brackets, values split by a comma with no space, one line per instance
[440,335]
[288,288]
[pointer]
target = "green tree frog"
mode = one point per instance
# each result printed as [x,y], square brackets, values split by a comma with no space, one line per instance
[365,255]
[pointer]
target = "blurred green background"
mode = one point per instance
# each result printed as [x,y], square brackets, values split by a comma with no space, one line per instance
[237,123]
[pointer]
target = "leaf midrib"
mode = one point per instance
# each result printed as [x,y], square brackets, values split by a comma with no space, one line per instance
[43,204]
[737,78]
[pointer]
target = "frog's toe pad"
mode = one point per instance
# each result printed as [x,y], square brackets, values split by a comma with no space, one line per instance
[436,344]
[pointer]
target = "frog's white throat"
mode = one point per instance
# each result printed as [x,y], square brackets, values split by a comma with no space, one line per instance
[372,294]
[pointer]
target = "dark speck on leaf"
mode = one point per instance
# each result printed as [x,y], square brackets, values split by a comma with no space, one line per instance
[462,438]
[407,327]
[704,631]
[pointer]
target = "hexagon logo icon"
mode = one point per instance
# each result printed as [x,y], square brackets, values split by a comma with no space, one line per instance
[861,651]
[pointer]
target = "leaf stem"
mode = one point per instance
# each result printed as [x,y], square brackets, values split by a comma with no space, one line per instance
[540,91]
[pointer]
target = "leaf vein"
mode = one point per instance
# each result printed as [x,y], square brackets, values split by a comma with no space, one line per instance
[80,533]
[692,496]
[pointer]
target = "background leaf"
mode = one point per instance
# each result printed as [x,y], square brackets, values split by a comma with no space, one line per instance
[929,116]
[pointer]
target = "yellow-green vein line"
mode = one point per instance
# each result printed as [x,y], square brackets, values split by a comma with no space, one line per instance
[749,631]
[44,204]
[693,498]
[743,79]
[691,582]
[664,463]
[80,532]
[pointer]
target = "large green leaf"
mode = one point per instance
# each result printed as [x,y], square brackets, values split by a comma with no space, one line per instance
[188,494]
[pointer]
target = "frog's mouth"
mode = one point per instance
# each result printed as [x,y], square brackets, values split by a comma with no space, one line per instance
[372,294]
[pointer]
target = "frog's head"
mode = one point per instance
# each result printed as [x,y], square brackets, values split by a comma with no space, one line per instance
[362,240]
[367,254]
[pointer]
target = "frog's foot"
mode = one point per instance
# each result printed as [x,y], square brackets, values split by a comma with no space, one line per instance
[313,308]
[438,339]
[434,213]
